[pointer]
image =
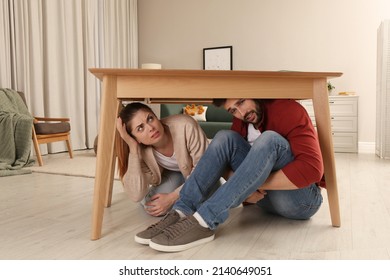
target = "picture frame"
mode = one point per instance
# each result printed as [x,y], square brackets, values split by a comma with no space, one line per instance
[218,58]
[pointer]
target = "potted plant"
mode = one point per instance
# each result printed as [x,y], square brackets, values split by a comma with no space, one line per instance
[330,88]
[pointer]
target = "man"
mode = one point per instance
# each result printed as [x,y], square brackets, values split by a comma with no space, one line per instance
[276,161]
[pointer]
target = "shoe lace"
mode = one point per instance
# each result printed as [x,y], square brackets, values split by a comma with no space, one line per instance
[179,228]
[160,224]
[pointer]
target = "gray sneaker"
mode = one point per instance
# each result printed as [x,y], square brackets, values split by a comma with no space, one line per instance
[144,237]
[183,235]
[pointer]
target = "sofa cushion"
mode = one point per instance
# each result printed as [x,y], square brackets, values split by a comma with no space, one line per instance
[216,118]
[213,114]
[216,114]
[211,128]
[171,109]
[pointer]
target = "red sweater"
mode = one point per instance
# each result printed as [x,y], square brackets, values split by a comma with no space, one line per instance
[290,120]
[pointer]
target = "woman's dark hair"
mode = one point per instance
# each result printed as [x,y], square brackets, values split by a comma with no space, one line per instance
[122,149]
[129,111]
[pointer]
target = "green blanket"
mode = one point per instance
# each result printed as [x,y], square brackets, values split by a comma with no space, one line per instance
[15,134]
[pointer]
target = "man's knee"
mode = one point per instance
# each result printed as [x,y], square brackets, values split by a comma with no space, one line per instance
[269,136]
[267,139]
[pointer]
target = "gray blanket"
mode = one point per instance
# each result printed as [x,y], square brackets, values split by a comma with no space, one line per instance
[15,134]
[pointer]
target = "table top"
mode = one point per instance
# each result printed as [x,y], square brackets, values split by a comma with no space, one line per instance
[183,86]
[100,72]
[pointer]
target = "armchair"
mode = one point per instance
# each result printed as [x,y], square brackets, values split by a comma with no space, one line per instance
[46,130]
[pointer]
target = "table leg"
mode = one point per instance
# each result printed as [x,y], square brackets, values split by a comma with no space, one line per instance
[322,116]
[113,164]
[105,153]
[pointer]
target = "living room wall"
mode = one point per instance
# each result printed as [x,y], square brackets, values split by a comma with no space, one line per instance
[301,35]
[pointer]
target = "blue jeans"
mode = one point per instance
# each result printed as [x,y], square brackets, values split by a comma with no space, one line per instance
[252,166]
[170,181]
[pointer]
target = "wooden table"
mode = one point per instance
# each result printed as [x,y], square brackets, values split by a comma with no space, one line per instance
[185,86]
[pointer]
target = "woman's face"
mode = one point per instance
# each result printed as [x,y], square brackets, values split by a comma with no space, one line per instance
[146,128]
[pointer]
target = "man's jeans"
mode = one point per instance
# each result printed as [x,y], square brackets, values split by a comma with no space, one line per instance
[251,166]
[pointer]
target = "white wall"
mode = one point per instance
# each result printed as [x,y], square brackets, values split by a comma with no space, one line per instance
[302,35]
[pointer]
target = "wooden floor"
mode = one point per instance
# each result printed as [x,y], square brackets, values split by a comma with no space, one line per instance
[46,216]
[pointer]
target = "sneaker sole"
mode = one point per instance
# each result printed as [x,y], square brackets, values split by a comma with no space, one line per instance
[140,240]
[178,248]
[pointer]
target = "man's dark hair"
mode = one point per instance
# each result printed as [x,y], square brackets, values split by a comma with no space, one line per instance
[218,102]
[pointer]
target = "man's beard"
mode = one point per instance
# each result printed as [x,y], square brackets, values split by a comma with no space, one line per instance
[257,113]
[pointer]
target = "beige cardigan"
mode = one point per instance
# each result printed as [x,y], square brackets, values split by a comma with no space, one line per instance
[189,144]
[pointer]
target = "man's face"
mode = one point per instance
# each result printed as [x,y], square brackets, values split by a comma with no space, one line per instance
[246,110]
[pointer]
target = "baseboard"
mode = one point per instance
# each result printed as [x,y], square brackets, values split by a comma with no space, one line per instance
[366,147]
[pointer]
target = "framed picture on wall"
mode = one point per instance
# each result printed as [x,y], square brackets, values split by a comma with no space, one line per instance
[218,58]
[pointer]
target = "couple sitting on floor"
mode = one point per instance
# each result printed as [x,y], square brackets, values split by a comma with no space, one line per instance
[271,154]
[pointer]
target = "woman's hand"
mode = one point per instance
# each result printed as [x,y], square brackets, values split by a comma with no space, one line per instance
[130,141]
[161,203]
[256,196]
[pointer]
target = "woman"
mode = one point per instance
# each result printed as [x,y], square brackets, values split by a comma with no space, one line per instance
[155,156]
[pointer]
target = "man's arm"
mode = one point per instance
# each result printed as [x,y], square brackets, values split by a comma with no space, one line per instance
[278,181]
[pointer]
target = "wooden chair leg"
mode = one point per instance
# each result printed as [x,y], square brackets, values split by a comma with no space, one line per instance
[69,147]
[37,149]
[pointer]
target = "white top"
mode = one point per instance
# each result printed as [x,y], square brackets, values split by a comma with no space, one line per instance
[253,133]
[169,163]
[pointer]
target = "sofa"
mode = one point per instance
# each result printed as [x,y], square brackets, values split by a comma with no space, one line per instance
[215,118]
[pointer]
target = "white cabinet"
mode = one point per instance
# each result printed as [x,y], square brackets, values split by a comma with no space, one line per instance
[344,121]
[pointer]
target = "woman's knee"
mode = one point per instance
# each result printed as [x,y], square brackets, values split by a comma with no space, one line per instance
[170,180]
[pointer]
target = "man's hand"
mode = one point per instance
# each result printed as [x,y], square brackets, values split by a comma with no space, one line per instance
[256,196]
